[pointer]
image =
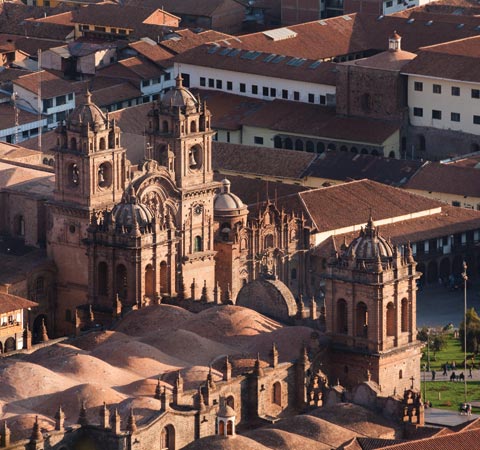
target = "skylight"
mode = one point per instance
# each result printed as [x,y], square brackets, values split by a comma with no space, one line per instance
[279,34]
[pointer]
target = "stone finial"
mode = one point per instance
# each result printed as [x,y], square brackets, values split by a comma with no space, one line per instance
[116,422]
[117,306]
[217,294]
[204,297]
[210,382]
[368,375]
[27,338]
[313,309]
[91,316]
[304,355]
[158,390]
[104,416]
[59,419]
[36,435]
[378,268]
[179,382]
[131,424]
[82,417]
[409,254]
[193,288]
[257,368]
[227,375]
[5,435]
[228,295]
[274,355]
[43,331]
[164,400]
[201,400]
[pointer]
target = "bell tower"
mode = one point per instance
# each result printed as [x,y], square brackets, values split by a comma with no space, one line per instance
[90,174]
[179,138]
[371,313]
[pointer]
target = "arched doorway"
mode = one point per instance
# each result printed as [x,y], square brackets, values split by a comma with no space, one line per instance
[432,272]
[167,438]
[277,142]
[288,144]
[277,393]
[10,345]
[37,328]
[445,268]
[229,428]
[149,281]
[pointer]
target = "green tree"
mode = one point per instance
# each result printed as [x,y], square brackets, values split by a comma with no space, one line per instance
[473,331]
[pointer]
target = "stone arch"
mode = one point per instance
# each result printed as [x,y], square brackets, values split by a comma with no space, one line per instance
[269,297]
[73,143]
[390,319]
[198,244]
[354,150]
[320,147]
[268,241]
[298,144]
[361,320]
[277,142]
[102,277]
[37,327]
[343,148]
[102,144]
[221,427]
[230,401]
[104,175]
[121,281]
[445,269]
[163,277]
[165,126]
[19,225]
[193,126]
[10,345]
[45,161]
[229,427]
[288,144]
[309,147]
[391,154]
[405,316]
[277,393]
[149,281]
[342,316]
[331,146]
[432,272]
[167,438]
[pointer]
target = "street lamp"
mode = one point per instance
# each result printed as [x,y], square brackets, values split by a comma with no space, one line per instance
[465,278]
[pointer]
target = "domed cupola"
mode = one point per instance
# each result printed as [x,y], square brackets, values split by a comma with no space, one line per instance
[180,97]
[87,115]
[369,249]
[228,209]
[131,215]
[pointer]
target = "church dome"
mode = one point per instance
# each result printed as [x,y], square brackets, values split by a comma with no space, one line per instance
[179,96]
[226,411]
[226,201]
[130,212]
[87,113]
[369,245]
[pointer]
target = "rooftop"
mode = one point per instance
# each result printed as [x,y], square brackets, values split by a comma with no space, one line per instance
[51,84]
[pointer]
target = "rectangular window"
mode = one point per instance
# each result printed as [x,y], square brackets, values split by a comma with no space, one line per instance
[168,75]
[273,92]
[229,85]
[475,93]
[476,120]
[47,103]
[265,91]
[228,136]
[70,96]
[455,117]
[219,84]
[254,89]
[418,86]
[243,88]
[211,83]
[61,100]
[258,140]
[323,99]
[285,94]
[311,98]
[203,81]
[436,114]
[455,91]
[437,89]
[296,95]
[389,4]
[101,29]
[145,83]
[418,112]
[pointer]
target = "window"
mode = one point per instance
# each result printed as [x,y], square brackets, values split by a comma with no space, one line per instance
[61,100]
[198,244]
[265,91]
[47,103]
[418,86]
[211,82]
[418,112]
[168,75]
[476,120]
[437,89]
[475,93]
[203,81]
[436,114]
[70,96]
[242,87]
[455,91]
[145,83]
[273,92]
[455,117]
[285,94]
[219,84]
[311,98]
[229,85]
[296,95]
[254,89]
[323,99]
[258,140]
[389,4]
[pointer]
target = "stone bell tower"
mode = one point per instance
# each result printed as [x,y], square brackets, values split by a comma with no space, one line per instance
[180,138]
[90,173]
[371,313]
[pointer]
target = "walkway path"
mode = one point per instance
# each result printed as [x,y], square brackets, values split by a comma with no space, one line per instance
[434,416]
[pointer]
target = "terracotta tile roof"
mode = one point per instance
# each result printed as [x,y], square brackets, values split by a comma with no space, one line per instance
[352,203]
[220,57]
[9,303]
[260,160]
[7,116]
[319,121]
[64,18]
[9,74]
[134,69]
[183,40]
[458,60]
[31,46]
[389,60]
[51,84]
[447,178]
[153,52]
[345,166]
[228,110]
[115,93]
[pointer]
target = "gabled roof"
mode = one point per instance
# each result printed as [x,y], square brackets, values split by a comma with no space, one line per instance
[51,84]
[183,40]
[9,303]
[153,52]
[134,69]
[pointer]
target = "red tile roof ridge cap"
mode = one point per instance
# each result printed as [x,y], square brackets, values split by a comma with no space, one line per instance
[431,48]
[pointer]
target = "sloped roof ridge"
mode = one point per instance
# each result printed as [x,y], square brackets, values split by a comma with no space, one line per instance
[447,43]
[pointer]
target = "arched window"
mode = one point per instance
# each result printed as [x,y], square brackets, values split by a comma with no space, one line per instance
[288,144]
[102,278]
[45,161]
[163,277]
[277,393]
[268,242]
[19,225]
[391,154]
[375,152]
[320,147]
[298,144]
[293,274]
[193,126]
[361,320]
[104,175]
[149,281]
[364,151]
[309,147]
[331,146]
[121,281]
[73,143]
[221,427]
[390,319]
[342,316]
[164,126]
[229,428]
[198,244]
[167,438]
[230,401]
[400,374]
[277,142]
[102,143]
[39,288]
[10,345]
[354,150]
[405,315]
[343,148]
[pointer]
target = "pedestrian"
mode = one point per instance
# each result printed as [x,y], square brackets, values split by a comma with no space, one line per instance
[433,375]
[454,366]
[469,409]
[445,369]
[470,372]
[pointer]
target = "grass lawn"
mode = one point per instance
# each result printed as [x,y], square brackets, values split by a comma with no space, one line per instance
[451,394]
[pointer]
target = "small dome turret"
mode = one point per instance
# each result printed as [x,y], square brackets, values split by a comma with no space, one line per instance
[87,114]
[369,245]
[130,213]
[179,97]
[225,200]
